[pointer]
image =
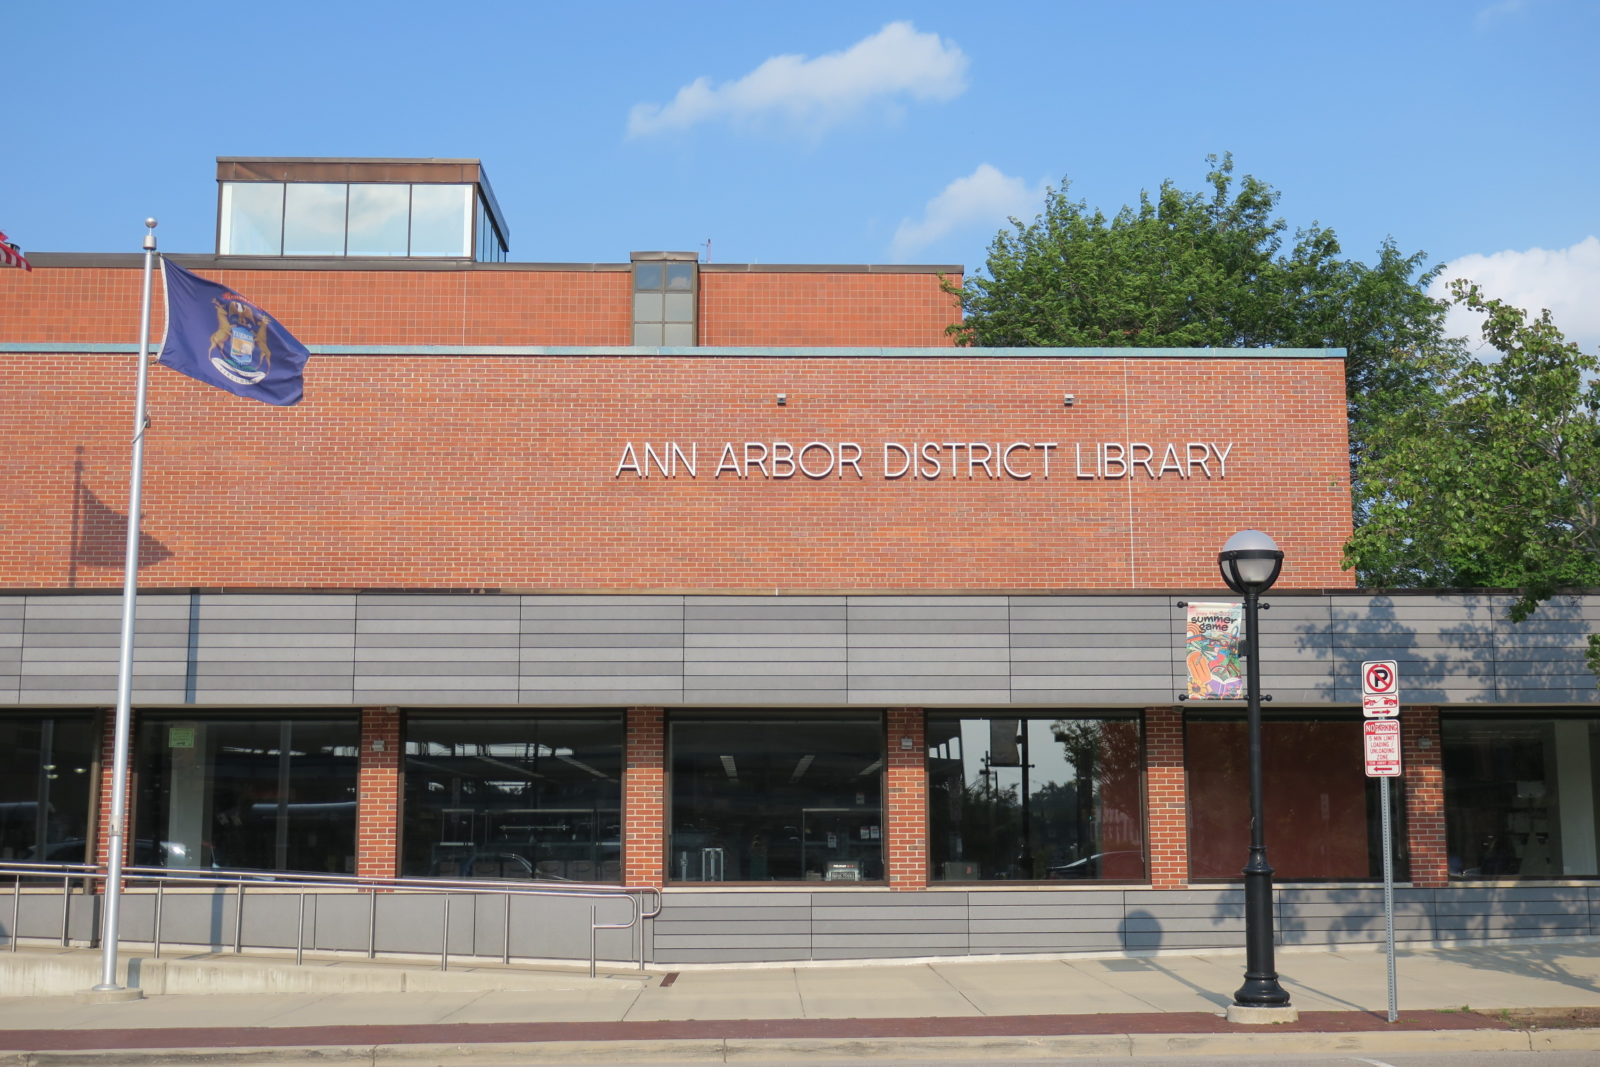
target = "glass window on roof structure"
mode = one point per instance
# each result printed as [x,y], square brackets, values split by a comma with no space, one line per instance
[314,219]
[379,216]
[441,220]
[252,219]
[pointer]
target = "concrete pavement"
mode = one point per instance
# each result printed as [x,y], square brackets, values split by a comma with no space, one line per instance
[208,1008]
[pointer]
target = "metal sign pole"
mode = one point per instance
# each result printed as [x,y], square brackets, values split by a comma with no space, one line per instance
[1388,894]
[1380,741]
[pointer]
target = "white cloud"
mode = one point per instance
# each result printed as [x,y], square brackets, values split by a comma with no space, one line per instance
[1564,280]
[812,94]
[985,197]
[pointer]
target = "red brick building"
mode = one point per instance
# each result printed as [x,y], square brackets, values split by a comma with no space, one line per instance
[685,575]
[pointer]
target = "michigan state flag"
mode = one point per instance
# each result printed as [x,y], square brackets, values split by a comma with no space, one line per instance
[222,339]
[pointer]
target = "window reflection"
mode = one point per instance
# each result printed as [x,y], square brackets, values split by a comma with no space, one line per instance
[313,219]
[1520,798]
[46,773]
[780,800]
[252,219]
[355,219]
[441,220]
[1034,798]
[251,794]
[515,796]
[378,220]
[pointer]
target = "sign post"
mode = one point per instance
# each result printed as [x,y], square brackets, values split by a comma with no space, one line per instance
[1380,742]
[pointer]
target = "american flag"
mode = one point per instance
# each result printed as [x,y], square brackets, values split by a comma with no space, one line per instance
[11,255]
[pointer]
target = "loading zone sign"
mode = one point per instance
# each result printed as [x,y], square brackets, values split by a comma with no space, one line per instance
[1380,742]
[1380,689]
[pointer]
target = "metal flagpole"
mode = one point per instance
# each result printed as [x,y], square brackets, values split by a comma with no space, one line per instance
[116,831]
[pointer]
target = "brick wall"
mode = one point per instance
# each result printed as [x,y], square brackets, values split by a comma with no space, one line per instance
[777,308]
[905,837]
[644,783]
[503,473]
[485,306]
[380,779]
[1166,798]
[1423,758]
[108,736]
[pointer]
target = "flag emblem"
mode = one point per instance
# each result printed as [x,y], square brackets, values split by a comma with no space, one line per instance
[239,349]
[217,336]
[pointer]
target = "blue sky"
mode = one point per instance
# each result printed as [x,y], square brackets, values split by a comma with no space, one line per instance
[834,132]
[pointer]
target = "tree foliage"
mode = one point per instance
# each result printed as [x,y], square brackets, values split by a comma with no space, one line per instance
[1196,269]
[1490,476]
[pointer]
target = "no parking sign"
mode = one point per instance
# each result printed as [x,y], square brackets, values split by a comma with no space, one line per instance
[1380,689]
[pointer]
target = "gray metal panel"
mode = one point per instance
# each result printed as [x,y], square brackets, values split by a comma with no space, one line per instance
[11,613]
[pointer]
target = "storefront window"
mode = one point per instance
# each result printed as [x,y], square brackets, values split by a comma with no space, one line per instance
[1044,797]
[1323,815]
[274,794]
[514,796]
[777,800]
[46,774]
[1519,796]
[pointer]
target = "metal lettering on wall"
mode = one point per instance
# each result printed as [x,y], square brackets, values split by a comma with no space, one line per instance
[928,460]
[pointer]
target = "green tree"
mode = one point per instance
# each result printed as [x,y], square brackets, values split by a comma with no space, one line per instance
[1188,269]
[1490,475]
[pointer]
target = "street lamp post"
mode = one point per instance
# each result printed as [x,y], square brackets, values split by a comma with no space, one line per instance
[1250,562]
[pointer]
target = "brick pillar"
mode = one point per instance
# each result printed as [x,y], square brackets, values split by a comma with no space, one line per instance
[1424,773]
[108,738]
[380,776]
[644,801]
[1166,798]
[905,838]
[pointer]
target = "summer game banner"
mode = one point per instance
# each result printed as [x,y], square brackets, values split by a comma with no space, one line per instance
[1213,647]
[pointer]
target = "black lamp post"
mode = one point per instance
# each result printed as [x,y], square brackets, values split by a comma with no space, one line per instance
[1250,562]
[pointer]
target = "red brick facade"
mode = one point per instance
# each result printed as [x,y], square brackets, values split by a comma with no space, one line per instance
[644,783]
[108,737]
[380,780]
[1166,798]
[906,801]
[1423,757]
[561,494]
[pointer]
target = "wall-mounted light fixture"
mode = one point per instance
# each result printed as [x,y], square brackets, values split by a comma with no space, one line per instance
[1068,400]
[783,398]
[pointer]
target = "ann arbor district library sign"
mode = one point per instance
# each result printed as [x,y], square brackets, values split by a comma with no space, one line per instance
[930,460]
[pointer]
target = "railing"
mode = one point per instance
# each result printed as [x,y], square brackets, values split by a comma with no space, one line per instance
[85,876]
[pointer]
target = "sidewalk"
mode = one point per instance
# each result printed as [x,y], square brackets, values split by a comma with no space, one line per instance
[994,1009]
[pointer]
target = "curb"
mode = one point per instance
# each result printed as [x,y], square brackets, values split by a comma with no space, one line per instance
[913,1050]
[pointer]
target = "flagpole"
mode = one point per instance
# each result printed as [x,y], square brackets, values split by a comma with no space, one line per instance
[116,829]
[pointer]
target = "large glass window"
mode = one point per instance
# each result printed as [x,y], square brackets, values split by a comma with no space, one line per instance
[1039,797]
[313,219]
[252,219]
[441,220]
[1519,796]
[377,225]
[514,796]
[258,793]
[46,774]
[356,219]
[1323,816]
[776,800]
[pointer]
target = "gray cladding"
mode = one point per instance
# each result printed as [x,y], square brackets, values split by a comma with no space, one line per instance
[785,923]
[444,650]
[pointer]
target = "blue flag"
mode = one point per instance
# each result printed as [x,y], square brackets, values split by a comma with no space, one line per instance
[220,338]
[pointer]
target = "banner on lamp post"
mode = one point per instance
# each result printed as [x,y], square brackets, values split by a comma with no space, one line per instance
[1211,646]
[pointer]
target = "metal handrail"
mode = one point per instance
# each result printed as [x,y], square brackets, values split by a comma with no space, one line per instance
[163,877]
